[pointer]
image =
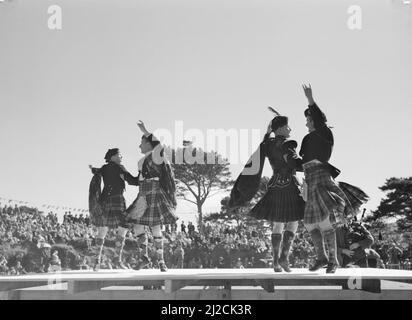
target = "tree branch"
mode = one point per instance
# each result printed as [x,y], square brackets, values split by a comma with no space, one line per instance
[184,198]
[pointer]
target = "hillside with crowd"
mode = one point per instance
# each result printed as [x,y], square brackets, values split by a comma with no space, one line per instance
[35,242]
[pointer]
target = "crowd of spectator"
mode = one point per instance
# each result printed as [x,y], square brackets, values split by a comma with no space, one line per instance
[32,242]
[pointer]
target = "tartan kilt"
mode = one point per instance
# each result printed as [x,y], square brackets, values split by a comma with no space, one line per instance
[355,195]
[112,213]
[280,203]
[159,210]
[324,198]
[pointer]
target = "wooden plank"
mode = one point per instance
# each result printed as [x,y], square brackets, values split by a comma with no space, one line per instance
[174,285]
[13,285]
[175,279]
[75,287]
[295,294]
[217,274]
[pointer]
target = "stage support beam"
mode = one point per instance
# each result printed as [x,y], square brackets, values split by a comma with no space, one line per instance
[14,285]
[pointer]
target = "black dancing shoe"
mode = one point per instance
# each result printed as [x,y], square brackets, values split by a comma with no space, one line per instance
[331,268]
[285,265]
[277,267]
[97,266]
[144,263]
[319,264]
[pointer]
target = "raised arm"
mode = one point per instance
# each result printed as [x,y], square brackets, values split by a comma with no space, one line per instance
[142,128]
[93,169]
[147,134]
[316,114]
[307,89]
[134,181]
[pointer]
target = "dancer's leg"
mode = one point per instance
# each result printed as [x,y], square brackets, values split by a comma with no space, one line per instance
[288,236]
[120,241]
[329,234]
[142,243]
[276,240]
[318,243]
[158,244]
[101,235]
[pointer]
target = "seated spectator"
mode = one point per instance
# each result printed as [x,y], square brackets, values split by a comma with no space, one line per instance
[220,263]
[84,265]
[239,264]
[44,254]
[3,265]
[55,262]
[19,268]
[12,271]
[406,265]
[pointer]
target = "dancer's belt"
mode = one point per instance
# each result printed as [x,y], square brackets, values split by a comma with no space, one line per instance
[315,164]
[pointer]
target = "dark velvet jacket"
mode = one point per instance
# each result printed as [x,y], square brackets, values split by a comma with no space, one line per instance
[112,174]
[318,144]
[283,159]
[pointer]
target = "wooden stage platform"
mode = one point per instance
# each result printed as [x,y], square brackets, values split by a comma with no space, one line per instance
[209,284]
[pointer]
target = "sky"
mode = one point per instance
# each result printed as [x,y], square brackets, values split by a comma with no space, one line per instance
[68,95]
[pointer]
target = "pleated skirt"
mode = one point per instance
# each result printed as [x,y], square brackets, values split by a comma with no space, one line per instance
[159,210]
[112,213]
[327,198]
[280,203]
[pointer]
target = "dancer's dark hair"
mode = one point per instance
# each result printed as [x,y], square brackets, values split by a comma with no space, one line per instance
[153,142]
[319,118]
[110,153]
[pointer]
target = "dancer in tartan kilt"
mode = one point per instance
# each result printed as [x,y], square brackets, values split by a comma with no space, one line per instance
[156,202]
[282,204]
[327,202]
[107,208]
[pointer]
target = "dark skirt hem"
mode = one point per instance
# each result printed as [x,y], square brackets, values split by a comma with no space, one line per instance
[280,205]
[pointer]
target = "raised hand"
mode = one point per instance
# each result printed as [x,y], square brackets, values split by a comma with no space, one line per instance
[142,127]
[307,89]
[93,170]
